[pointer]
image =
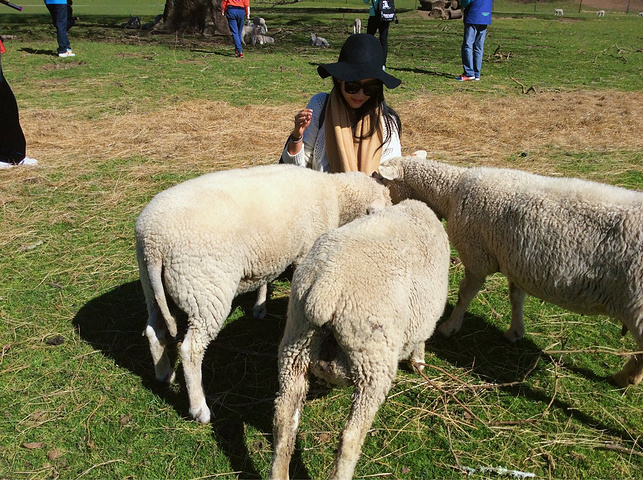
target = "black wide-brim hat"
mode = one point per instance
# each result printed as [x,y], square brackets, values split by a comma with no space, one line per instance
[361,57]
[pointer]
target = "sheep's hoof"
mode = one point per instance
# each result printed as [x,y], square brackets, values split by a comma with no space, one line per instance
[260,311]
[512,336]
[202,415]
[447,330]
[167,377]
[624,379]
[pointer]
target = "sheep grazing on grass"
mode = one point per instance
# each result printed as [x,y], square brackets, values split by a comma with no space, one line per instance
[206,240]
[251,30]
[260,22]
[601,13]
[365,297]
[317,41]
[357,26]
[558,12]
[574,243]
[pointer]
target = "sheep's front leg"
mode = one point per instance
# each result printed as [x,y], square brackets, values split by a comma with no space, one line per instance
[469,287]
[156,333]
[294,361]
[192,351]
[517,328]
[260,311]
[632,372]
[367,399]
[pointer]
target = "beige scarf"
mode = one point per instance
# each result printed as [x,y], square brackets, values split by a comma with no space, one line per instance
[346,153]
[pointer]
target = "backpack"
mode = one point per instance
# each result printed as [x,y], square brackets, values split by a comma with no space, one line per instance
[386,10]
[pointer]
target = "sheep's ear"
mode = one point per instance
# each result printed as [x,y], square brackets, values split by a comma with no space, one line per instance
[390,170]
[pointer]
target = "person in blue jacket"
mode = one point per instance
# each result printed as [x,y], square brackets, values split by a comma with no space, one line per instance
[61,15]
[477,17]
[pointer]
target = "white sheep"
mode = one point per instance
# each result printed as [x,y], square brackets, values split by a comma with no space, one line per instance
[574,243]
[558,12]
[262,40]
[260,22]
[601,13]
[251,30]
[317,41]
[357,26]
[366,297]
[206,240]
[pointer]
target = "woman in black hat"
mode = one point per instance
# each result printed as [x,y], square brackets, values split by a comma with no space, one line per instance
[351,128]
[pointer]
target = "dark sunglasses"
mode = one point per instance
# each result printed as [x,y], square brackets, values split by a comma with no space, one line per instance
[369,89]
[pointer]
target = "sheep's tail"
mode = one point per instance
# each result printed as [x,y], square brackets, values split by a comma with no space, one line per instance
[150,272]
[154,270]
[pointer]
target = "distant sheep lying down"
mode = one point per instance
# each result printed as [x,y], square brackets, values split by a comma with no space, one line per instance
[206,240]
[367,296]
[317,41]
[571,242]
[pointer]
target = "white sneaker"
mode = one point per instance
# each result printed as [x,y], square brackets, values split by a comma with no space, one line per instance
[5,165]
[28,161]
[68,53]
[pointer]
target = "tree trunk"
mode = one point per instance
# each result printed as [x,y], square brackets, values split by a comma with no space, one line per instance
[194,16]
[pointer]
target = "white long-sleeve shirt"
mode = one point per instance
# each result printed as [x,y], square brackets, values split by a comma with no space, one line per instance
[313,155]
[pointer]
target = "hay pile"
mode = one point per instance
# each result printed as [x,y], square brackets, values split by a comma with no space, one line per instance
[215,135]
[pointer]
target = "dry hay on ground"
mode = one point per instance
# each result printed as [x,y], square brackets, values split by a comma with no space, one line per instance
[213,135]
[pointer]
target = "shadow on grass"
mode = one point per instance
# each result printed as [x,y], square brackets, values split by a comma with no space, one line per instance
[480,348]
[38,51]
[239,369]
[422,72]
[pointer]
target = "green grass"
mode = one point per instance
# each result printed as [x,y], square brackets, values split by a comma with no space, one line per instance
[78,397]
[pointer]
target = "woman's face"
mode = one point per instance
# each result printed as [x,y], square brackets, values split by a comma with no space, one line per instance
[354,93]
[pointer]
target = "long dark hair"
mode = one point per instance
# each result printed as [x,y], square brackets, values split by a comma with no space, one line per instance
[370,108]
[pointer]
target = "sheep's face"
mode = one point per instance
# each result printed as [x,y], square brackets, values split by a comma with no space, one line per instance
[391,175]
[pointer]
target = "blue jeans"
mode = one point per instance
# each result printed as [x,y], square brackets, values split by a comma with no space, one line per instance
[473,48]
[60,20]
[236,17]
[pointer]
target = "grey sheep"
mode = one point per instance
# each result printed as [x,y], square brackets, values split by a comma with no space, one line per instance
[209,239]
[366,297]
[317,41]
[574,243]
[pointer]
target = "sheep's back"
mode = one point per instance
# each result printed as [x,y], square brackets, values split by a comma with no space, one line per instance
[256,220]
[383,276]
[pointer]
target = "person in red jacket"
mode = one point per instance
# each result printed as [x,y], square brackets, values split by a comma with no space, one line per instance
[236,11]
[12,140]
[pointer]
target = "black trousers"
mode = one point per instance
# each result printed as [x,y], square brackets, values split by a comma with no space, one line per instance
[12,140]
[375,24]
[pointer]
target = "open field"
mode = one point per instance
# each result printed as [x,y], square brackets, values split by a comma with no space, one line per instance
[135,113]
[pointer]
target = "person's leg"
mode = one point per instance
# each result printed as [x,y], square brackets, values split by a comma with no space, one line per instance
[12,139]
[231,16]
[478,49]
[241,20]
[59,17]
[371,26]
[467,50]
[384,38]
[71,21]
